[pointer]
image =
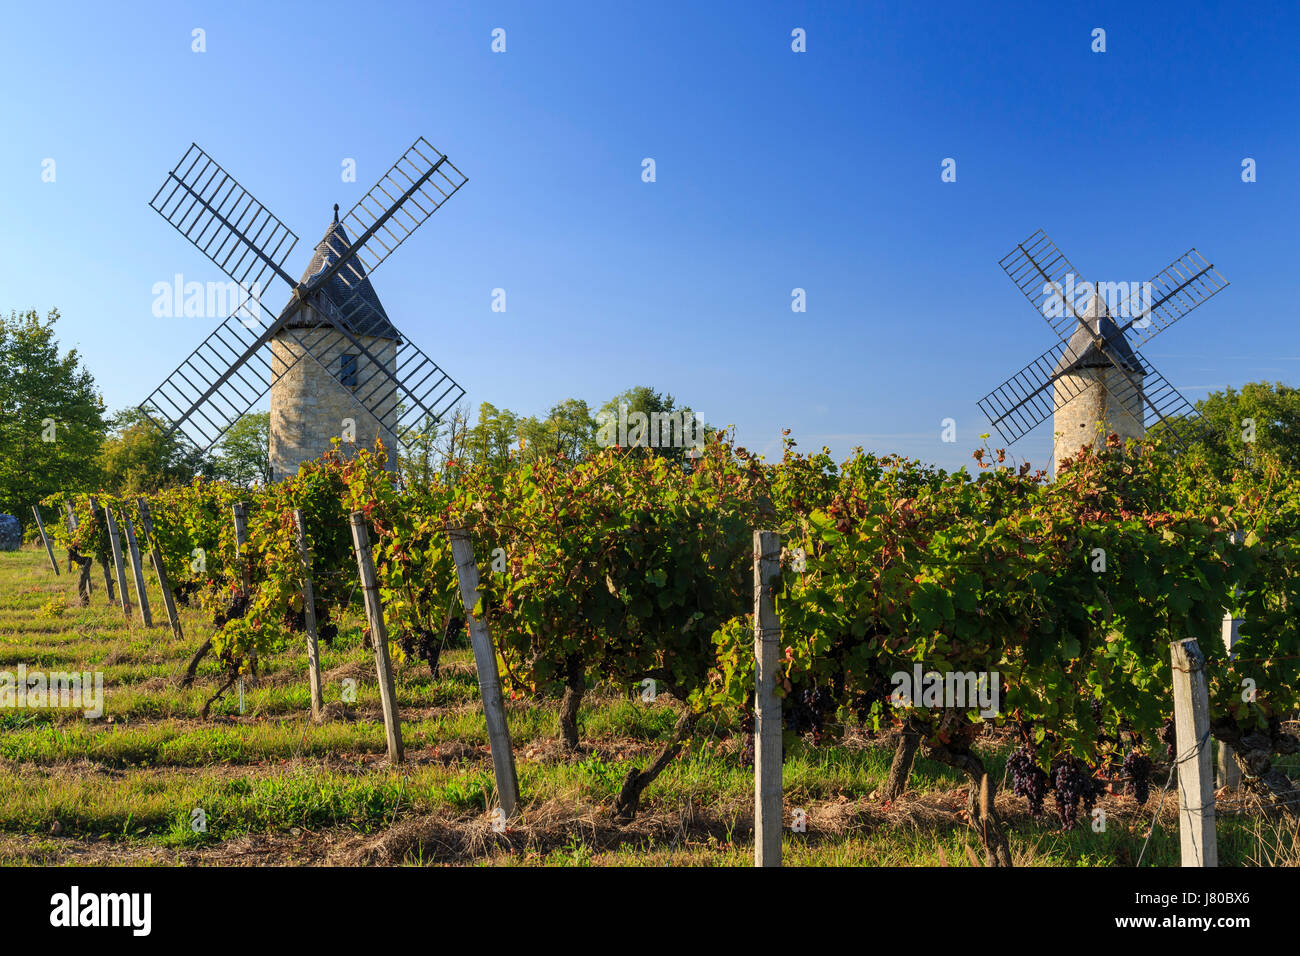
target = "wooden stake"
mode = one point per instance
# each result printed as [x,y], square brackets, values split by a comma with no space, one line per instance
[46,538]
[378,636]
[241,540]
[309,617]
[768,815]
[1229,774]
[137,570]
[159,568]
[108,578]
[1195,771]
[489,678]
[70,520]
[241,544]
[116,542]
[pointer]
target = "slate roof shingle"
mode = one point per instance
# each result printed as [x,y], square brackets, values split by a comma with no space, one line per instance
[370,318]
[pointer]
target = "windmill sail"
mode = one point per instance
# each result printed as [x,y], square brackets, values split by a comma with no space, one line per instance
[412,190]
[223,219]
[1187,282]
[236,365]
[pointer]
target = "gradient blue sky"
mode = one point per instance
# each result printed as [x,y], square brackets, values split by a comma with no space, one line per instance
[818,170]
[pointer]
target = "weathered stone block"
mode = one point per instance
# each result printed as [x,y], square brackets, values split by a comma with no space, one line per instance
[11,533]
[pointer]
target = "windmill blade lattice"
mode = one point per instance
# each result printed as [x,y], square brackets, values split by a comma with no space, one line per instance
[219,382]
[415,386]
[1032,395]
[1162,403]
[224,220]
[1022,402]
[1041,273]
[412,190]
[1189,281]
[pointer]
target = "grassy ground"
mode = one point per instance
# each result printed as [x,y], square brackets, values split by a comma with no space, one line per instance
[276,789]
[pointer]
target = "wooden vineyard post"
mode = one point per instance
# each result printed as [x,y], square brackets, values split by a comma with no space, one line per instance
[241,551]
[378,635]
[70,520]
[137,570]
[1193,753]
[768,816]
[1229,774]
[116,542]
[489,678]
[241,540]
[159,568]
[309,619]
[84,587]
[108,578]
[46,538]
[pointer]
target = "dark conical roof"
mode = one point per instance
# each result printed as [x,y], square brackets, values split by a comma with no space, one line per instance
[1082,352]
[368,319]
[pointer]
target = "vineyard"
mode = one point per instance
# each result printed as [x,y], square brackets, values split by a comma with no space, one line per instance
[308,717]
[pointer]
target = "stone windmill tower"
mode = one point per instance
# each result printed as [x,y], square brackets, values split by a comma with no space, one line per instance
[335,366]
[1093,382]
[313,396]
[1096,390]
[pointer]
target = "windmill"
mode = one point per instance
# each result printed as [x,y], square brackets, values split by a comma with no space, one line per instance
[1099,384]
[332,360]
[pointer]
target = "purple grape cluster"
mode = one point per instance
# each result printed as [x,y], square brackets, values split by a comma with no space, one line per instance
[1169,734]
[1137,768]
[236,606]
[425,644]
[805,711]
[1073,785]
[1028,779]
[747,728]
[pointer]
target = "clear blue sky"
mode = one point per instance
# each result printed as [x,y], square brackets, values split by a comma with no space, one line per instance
[775,170]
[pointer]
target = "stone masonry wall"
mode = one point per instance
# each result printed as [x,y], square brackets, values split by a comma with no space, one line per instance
[308,406]
[1095,412]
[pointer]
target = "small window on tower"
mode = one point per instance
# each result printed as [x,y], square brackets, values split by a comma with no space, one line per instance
[348,371]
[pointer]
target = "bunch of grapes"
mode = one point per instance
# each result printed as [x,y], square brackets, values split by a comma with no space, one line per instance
[1028,779]
[236,607]
[805,712]
[296,623]
[1169,734]
[422,643]
[747,728]
[1073,785]
[326,629]
[183,591]
[1138,770]
[877,689]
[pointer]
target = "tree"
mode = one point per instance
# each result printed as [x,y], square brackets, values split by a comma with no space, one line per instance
[138,457]
[428,451]
[494,435]
[669,430]
[1262,418]
[567,430]
[51,420]
[245,455]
